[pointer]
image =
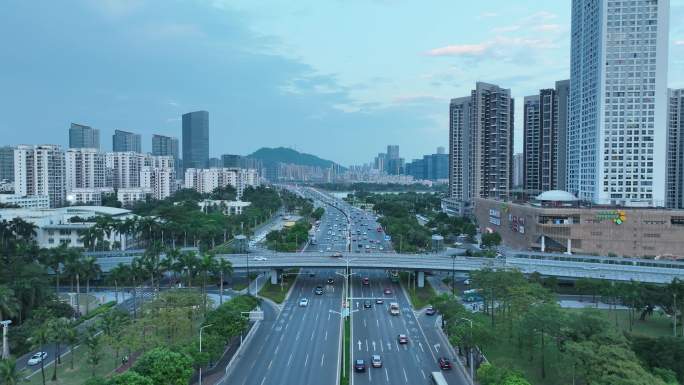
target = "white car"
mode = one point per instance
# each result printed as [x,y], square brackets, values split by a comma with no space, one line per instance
[260,259]
[304,302]
[37,358]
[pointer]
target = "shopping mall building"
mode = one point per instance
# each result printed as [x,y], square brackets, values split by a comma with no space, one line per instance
[557,222]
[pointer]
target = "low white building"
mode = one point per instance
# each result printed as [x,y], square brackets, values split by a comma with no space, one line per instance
[87,196]
[226,207]
[207,180]
[66,225]
[128,196]
[26,201]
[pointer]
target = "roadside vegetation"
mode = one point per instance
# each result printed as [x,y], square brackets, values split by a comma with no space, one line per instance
[294,237]
[420,297]
[278,292]
[528,338]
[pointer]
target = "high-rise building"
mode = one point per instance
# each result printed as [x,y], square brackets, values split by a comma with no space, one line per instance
[380,162]
[81,136]
[159,181]
[675,150]
[84,169]
[39,171]
[196,139]
[7,163]
[441,150]
[545,128]
[165,146]
[215,162]
[124,169]
[393,152]
[618,101]
[481,144]
[231,160]
[394,165]
[124,141]
[431,167]
[207,180]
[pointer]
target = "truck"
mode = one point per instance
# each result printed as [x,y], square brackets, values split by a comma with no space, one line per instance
[394,308]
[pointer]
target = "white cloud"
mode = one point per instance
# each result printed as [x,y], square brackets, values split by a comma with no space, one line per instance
[679,42]
[548,28]
[459,50]
[510,28]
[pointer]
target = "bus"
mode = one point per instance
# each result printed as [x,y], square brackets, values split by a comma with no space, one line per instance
[394,276]
[438,378]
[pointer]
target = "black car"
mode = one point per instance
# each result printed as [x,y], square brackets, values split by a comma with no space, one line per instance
[318,290]
[312,274]
[359,366]
[330,281]
[430,311]
[367,304]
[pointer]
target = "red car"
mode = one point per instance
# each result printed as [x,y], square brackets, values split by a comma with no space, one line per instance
[366,281]
[402,338]
[444,363]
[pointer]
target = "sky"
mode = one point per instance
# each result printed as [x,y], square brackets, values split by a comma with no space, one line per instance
[337,78]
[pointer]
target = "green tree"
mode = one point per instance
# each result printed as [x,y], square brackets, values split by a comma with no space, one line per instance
[543,319]
[70,338]
[9,374]
[93,344]
[9,306]
[165,367]
[57,327]
[130,378]
[490,240]
[224,268]
[41,337]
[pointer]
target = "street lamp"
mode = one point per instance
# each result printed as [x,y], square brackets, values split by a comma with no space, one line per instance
[200,350]
[5,345]
[453,275]
[470,350]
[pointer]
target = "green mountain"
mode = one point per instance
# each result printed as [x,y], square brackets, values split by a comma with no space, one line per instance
[287,155]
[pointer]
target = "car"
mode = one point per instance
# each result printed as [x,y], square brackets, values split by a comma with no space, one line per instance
[359,366]
[337,255]
[379,301]
[304,302]
[37,358]
[318,290]
[260,258]
[367,304]
[331,281]
[312,274]
[402,339]
[388,291]
[430,310]
[366,281]
[381,248]
[376,362]
[444,363]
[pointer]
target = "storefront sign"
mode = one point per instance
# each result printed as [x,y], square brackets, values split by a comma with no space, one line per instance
[616,216]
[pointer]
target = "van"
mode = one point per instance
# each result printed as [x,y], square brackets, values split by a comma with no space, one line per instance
[394,308]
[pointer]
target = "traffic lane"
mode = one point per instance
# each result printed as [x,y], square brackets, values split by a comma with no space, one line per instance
[306,324]
[457,375]
[402,363]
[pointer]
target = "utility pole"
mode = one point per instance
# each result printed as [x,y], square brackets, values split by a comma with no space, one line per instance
[200,350]
[5,344]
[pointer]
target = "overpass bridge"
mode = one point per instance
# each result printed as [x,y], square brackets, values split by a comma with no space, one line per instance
[557,265]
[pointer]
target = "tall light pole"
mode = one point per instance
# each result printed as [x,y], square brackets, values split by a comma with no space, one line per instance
[5,345]
[470,350]
[453,275]
[200,350]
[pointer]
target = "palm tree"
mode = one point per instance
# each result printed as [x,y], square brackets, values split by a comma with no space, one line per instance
[9,375]
[56,329]
[23,229]
[151,260]
[90,270]
[9,306]
[188,262]
[224,268]
[70,338]
[118,275]
[41,337]
[207,265]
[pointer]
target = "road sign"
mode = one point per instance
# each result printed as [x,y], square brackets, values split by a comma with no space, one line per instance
[388,238]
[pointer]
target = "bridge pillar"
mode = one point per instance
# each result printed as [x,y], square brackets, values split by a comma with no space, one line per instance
[569,249]
[543,243]
[421,278]
[274,277]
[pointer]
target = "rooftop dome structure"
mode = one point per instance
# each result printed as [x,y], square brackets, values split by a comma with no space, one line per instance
[556,196]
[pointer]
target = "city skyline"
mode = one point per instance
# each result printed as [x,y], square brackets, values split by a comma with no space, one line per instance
[343,104]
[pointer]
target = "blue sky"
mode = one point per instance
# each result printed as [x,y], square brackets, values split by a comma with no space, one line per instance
[337,78]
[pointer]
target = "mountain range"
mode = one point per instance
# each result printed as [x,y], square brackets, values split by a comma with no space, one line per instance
[287,155]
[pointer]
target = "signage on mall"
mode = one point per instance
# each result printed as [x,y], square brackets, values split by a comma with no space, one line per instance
[616,216]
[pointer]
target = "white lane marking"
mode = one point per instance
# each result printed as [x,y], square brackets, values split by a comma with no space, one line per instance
[405,376]
[382,348]
[281,337]
[370,377]
[437,347]
[373,345]
[297,337]
[397,343]
[322,357]
[366,345]
[391,325]
[326,335]
[389,346]
[386,375]
[306,360]
[276,349]
[262,381]
[269,364]
[424,376]
[421,347]
[377,322]
[364,323]
[317,316]
[328,316]
[289,360]
[312,336]
[359,345]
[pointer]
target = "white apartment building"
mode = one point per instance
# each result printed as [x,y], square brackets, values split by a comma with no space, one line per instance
[124,169]
[87,196]
[39,170]
[85,169]
[207,180]
[160,181]
[618,98]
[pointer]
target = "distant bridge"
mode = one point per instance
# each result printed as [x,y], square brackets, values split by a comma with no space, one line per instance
[556,265]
